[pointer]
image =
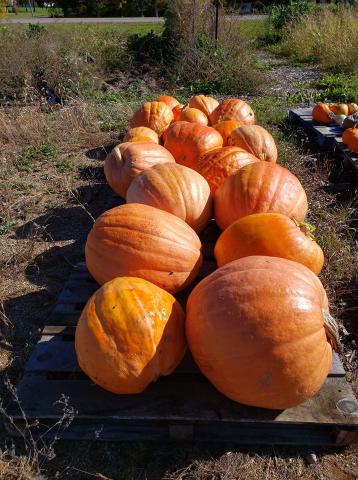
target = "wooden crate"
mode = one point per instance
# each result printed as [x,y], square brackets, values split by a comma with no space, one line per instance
[183,405]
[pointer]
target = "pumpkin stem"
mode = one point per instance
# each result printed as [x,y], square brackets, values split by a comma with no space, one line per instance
[306,228]
[263,156]
[331,328]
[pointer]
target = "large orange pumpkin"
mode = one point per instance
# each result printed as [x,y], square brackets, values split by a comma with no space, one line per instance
[258,188]
[220,163]
[177,112]
[141,134]
[256,329]
[154,115]
[256,140]
[129,159]
[167,99]
[225,129]
[233,109]
[193,115]
[187,142]
[269,234]
[142,241]
[176,189]
[206,104]
[129,334]
[319,113]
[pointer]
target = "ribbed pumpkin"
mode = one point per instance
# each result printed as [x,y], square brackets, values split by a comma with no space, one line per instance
[352,108]
[225,129]
[129,334]
[270,234]
[206,104]
[176,189]
[256,140]
[350,138]
[319,113]
[129,159]
[177,112]
[258,188]
[154,115]
[167,99]
[220,163]
[187,142]
[142,241]
[339,108]
[255,328]
[141,134]
[193,115]
[233,109]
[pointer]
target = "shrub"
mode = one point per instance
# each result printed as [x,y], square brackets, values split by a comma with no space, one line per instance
[282,14]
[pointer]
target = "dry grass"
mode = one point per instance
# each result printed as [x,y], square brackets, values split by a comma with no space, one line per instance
[328,37]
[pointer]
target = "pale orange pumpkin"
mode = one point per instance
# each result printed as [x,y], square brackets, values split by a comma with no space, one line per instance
[142,134]
[233,109]
[129,334]
[177,112]
[170,101]
[193,115]
[225,129]
[339,108]
[206,104]
[258,188]
[176,189]
[142,241]
[129,159]
[259,329]
[352,108]
[154,115]
[256,140]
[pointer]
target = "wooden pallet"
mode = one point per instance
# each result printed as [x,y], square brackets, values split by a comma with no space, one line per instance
[321,134]
[350,159]
[183,405]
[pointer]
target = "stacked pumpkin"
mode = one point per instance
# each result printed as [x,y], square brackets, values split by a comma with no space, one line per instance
[259,326]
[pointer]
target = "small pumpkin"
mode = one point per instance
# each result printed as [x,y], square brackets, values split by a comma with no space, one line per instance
[233,109]
[258,188]
[187,142]
[193,115]
[142,241]
[320,113]
[142,134]
[154,115]
[339,108]
[167,99]
[270,234]
[129,159]
[206,104]
[225,128]
[256,140]
[176,189]
[352,108]
[350,138]
[259,329]
[129,334]
[217,165]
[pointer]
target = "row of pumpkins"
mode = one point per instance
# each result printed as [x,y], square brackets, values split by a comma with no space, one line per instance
[258,327]
[321,111]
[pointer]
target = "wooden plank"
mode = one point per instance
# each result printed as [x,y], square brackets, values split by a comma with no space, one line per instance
[350,158]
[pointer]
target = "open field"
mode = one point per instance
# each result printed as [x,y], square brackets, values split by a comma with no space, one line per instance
[52,188]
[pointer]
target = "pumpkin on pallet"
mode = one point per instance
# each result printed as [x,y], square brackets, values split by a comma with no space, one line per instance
[350,138]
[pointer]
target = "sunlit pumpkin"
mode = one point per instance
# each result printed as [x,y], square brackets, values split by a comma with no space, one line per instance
[130,333]
[352,108]
[339,108]
[220,163]
[259,329]
[270,234]
[129,159]
[350,138]
[193,115]
[177,112]
[176,189]
[142,241]
[141,134]
[170,101]
[320,113]
[258,188]
[225,129]
[233,109]
[154,115]
[256,140]
[206,104]
[187,142]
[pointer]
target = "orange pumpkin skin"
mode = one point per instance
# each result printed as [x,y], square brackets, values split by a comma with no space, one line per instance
[225,129]
[154,115]
[193,115]
[168,100]
[256,140]
[233,109]
[350,138]
[339,108]
[352,108]
[270,234]
[177,112]
[130,333]
[187,142]
[255,329]
[206,104]
[353,144]
[258,188]
[175,189]
[144,133]
[142,241]
[129,159]
[319,113]
[217,165]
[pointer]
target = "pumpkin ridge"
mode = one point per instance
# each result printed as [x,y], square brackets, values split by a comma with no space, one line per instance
[279,187]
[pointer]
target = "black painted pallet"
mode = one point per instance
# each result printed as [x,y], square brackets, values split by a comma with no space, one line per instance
[183,405]
[350,159]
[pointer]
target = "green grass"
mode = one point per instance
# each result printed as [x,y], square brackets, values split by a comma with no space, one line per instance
[39,12]
[337,87]
[44,152]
